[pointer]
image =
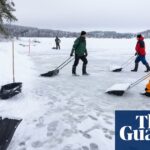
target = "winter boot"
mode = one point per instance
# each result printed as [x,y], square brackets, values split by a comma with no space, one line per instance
[74,70]
[84,70]
[135,68]
[147,68]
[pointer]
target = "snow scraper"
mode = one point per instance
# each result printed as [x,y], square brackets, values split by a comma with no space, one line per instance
[9,90]
[56,71]
[119,68]
[7,130]
[120,89]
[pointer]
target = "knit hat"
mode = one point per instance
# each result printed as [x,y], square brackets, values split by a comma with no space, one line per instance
[83,32]
[139,36]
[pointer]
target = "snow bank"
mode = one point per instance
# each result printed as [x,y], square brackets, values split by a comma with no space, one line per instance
[23,73]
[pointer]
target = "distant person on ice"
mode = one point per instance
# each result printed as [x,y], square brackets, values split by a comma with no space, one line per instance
[140,53]
[57,41]
[79,48]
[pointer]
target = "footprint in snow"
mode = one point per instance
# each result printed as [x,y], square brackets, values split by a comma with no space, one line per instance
[40,122]
[86,135]
[108,136]
[67,133]
[93,118]
[85,148]
[68,147]
[22,144]
[94,146]
[23,148]
[51,128]
[108,133]
[37,144]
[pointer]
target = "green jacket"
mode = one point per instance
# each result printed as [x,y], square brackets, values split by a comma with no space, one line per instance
[79,46]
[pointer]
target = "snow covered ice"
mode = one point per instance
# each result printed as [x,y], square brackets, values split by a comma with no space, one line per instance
[66,112]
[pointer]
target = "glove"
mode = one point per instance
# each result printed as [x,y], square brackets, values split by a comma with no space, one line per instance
[86,54]
[71,54]
[72,51]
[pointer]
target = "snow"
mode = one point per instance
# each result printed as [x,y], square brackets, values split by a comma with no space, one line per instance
[114,67]
[119,87]
[66,112]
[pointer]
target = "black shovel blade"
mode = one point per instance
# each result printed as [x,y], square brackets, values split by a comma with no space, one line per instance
[7,130]
[9,90]
[117,93]
[145,94]
[50,73]
[117,70]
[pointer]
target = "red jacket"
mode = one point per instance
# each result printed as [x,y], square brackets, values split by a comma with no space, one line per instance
[140,47]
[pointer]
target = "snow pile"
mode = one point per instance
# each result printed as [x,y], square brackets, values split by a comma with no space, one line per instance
[16,106]
[119,87]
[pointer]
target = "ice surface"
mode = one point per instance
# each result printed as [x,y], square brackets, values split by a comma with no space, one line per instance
[66,112]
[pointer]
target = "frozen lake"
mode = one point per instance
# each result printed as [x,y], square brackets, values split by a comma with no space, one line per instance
[66,112]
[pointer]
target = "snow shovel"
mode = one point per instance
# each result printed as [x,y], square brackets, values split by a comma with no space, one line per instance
[7,130]
[119,68]
[120,89]
[9,90]
[56,71]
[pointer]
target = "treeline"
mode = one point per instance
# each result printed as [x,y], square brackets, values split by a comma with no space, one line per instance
[22,31]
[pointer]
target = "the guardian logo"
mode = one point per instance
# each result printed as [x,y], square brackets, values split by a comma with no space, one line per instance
[132,130]
[142,133]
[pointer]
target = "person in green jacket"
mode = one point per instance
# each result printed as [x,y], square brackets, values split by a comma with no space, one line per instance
[79,48]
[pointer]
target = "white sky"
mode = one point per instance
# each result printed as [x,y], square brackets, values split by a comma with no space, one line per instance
[76,15]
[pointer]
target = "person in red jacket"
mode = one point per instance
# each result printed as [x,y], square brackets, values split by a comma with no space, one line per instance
[140,53]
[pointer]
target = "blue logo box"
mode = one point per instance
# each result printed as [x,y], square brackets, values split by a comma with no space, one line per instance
[132,130]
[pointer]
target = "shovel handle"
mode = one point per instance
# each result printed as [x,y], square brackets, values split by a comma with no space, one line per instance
[66,64]
[140,80]
[63,63]
[13,61]
[128,61]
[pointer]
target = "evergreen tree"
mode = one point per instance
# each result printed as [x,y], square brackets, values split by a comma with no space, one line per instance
[6,10]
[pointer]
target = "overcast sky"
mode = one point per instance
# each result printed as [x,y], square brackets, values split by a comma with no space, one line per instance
[76,15]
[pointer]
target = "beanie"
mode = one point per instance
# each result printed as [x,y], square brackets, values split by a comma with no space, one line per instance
[83,32]
[139,36]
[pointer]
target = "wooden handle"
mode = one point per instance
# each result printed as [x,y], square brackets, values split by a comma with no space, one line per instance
[29,46]
[13,61]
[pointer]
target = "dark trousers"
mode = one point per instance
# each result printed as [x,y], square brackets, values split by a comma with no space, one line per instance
[57,46]
[77,58]
[142,59]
